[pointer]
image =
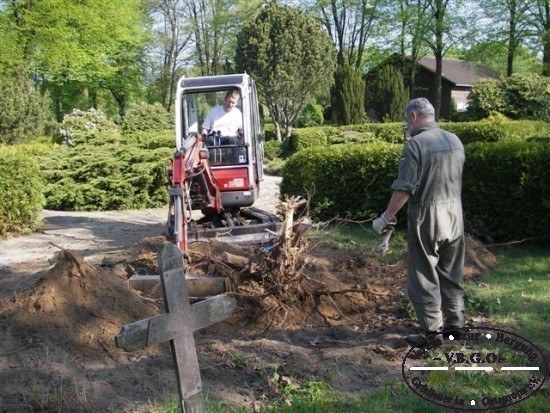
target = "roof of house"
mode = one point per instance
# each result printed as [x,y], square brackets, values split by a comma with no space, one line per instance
[459,72]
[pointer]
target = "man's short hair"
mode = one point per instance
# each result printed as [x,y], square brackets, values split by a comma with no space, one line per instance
[421,106]
[232,92]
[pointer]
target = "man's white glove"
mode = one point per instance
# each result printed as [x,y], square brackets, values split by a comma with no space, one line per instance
[381,223]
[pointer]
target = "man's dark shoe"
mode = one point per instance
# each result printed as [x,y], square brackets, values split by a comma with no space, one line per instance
[417,340]
[422,340]
[455,332]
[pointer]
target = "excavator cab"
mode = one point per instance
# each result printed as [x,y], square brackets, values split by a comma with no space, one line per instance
[236,157]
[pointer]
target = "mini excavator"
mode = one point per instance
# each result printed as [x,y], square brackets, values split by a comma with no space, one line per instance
[208,174]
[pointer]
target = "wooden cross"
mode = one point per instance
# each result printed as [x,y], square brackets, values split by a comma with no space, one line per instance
[177,325]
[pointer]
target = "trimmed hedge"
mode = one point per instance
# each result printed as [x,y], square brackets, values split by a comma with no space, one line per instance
[468,132]
[303,138]
[349,181]
[21,187]
[498,130]
[506,189]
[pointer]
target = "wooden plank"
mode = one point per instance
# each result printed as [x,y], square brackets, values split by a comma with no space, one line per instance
[176,303]
[204,313]
[177,326]
[199,287]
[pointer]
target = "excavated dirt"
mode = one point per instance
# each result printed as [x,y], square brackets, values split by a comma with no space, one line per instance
[339,319]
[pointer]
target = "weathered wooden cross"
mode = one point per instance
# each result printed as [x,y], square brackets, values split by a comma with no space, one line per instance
[177,325]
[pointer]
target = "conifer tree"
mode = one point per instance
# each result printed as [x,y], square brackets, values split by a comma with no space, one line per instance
[24,112]
[388,96]
[348,95]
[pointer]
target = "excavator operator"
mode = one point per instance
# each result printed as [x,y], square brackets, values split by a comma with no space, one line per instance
[224,123]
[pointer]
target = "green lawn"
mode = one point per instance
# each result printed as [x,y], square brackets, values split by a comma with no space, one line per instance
[514,296]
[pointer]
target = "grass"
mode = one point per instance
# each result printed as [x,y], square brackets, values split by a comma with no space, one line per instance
[517,293]
[514,296]
[360,236]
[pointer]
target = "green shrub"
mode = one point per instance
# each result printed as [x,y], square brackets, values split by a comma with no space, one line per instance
[21,187]
[519,96]
[527,96]
[309,137]
[311,115]
[147,118]
[387,132]
[275,167]
[269,132]
[272,149]
[486,98]
[506,189]
[126,178]
[348,180]
[352,137]
[78,126]
[24,112]
[152,140]
[108,172]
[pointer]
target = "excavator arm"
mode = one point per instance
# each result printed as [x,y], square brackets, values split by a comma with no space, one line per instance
[193,186]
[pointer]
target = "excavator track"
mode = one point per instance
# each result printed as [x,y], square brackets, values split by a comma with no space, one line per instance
[251,225]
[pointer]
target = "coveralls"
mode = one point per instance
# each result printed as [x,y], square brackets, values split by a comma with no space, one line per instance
[430,170]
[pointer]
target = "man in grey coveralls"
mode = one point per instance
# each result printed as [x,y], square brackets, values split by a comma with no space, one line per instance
[430,180]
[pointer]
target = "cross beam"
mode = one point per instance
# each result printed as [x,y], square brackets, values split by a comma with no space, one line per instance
[177,326]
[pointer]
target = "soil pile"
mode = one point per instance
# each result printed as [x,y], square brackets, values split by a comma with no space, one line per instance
[76,307]
[82,309]
[326,287]
[478,259]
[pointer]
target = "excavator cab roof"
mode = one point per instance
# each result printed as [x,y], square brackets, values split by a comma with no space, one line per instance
[214,82]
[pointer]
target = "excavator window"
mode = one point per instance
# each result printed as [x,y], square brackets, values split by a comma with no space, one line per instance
[223,148]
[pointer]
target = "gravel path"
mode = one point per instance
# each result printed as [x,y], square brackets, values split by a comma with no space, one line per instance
[95,234]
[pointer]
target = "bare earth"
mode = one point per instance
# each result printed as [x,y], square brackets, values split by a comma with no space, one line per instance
[64,296]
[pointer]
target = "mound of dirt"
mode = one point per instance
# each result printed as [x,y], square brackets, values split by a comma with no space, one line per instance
[478,259]
[333,287]
[76,308]
[82,309]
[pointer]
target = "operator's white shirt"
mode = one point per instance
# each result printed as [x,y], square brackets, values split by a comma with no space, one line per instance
[228,123]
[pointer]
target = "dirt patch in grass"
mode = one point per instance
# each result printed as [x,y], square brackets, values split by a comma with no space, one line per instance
[340,321]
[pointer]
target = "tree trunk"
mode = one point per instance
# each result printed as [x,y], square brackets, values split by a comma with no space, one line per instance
[511,39]
[277,130]
[439,14]
[121,102]
[546,44]
[288,130]
[438,73]
[546,54]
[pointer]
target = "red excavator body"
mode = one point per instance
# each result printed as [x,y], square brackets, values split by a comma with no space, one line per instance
[216,174]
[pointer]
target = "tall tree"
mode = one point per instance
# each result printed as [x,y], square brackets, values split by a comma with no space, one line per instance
[23,110]
[348,97]
[387,94]
[509,24]
[171,41]
[447,27]
[214,25]
[74,41]
[494,54]
[410,21]
[540,15]
[350,23]
[291,58]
